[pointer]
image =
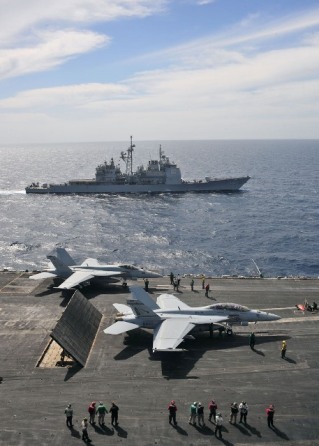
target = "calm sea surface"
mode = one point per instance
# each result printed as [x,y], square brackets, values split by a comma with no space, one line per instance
[273,220]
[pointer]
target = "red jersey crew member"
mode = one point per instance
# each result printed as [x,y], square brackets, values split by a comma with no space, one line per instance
[172,409]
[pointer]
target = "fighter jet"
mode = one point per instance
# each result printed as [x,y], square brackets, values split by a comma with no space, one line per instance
[62,265]
[172,320]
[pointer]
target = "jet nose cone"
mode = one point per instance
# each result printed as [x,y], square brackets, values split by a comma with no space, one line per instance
[266,316]
[273,317]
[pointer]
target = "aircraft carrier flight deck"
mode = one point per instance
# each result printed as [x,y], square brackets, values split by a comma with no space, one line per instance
[37,321]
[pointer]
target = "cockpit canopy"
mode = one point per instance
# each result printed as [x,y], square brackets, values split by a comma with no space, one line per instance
[129,267]
[227,307]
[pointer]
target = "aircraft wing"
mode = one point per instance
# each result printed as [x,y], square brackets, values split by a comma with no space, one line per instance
[170,302]
[121,308]
[203,319]
[75,279]
[101,273]
[44,275]
[120,327]
[170,333]
[139,294]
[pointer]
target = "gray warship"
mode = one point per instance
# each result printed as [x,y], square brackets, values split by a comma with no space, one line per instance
[160,176]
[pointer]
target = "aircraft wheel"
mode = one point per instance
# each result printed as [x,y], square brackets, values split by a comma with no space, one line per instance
[229,331]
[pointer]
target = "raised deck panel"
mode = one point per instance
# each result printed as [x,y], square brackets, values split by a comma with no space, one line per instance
[77,328]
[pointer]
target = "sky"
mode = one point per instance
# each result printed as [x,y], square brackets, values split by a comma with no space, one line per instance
[102,70]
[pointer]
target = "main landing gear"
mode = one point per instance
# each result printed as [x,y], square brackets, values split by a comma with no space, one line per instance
[221,329]
[229,331]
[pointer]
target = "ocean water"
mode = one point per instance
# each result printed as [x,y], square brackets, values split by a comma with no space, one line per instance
[273,220]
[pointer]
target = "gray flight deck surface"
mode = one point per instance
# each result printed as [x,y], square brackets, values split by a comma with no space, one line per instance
[123,368]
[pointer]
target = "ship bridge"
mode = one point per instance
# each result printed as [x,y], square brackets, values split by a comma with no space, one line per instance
[107,172]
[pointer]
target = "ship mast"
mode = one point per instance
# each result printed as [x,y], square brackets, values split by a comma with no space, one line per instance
[128,158]
[130,151]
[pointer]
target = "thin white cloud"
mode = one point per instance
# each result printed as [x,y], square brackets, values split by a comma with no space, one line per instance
[250,19]
[19,16]
[53,49]
[218,48]
[66,96]
[205,2]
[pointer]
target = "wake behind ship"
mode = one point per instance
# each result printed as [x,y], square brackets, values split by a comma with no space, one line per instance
[160,176]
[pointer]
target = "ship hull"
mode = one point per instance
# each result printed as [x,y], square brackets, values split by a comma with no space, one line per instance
[215,185]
